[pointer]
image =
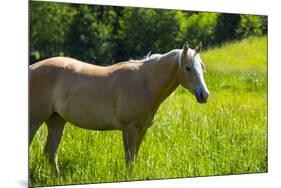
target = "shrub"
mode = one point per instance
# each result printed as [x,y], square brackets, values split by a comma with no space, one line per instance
[197,27]
[251,25]
[143,30]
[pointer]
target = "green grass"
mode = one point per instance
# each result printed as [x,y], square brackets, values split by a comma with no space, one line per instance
[228,135]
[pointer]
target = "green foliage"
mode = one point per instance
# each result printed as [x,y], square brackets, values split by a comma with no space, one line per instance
[105,34]
[228,135]
[49,24]
[143,30]
[90,35]
[195,27]
[226,25]
[251,25]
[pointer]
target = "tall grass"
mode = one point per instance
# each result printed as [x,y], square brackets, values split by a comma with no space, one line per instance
[228,135]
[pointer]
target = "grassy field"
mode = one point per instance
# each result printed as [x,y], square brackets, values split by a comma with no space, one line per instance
[228,135]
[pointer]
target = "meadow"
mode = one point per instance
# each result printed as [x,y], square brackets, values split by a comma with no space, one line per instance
[228,135]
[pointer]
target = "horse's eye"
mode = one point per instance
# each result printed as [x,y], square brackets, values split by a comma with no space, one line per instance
[188,68]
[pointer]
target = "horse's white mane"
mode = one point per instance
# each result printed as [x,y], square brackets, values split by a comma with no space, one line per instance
[148,58]
[151,58]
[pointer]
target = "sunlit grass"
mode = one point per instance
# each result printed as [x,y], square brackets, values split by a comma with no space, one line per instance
[228,135]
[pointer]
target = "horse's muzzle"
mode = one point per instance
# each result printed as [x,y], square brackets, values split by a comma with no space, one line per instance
[202,97]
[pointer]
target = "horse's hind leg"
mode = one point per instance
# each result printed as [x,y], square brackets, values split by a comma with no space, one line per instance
[55,126]
[33,128]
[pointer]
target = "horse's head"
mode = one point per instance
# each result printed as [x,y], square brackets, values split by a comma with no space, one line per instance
[191,72]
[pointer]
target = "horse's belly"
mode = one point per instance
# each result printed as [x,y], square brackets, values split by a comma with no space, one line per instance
[95,122]
[90,117]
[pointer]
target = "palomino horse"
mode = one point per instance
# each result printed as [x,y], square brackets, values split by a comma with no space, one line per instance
[124,96]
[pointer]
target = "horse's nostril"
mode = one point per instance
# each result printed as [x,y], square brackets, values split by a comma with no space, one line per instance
[201,95]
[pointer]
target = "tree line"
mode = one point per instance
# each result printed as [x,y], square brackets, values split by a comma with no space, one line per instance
[108,34]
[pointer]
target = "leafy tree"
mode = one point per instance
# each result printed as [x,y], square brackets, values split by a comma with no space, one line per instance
[107,34]
[197,27]
[143,30]
[251,25]
[90,34]
[226,25]
[49,24]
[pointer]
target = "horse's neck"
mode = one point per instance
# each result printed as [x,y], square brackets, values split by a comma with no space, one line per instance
[162,77]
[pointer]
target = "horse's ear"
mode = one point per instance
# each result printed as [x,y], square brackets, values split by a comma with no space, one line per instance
[185,48]
[198,47]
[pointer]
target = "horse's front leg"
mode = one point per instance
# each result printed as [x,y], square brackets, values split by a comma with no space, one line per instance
[132,138]
[129,141]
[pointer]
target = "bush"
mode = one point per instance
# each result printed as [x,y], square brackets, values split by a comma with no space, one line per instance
[197,27]
[251,25]
[89,37]
[225,29]
[49,24]
[143,30]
